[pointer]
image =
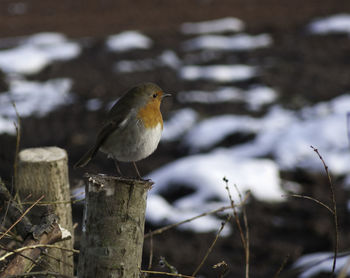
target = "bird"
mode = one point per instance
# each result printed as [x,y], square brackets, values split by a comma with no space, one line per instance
[132,129]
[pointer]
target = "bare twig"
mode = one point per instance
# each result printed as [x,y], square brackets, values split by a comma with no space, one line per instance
[165,228]
[49,261]
[211,246]
[19,219]
[335,215]
[37,246]
[150,253]
[167,274]
[282,266]
[18,139]
[24,256]
[244,236]
[18,136]
[14,212]
[43,273]
[15,165]
[54,203]
[312,199]
[19,264]
[246,227]
[235,214]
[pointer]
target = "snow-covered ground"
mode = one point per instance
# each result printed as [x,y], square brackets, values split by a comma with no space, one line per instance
[282,134]
[335,24]
[32,98]
[127,41]
[219,73]
[202,175]
[281,137]
[221,25]
[36,52]
[30,56]
[239,42]
[322,262]
[255,97]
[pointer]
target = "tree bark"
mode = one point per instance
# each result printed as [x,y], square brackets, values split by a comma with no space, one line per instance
[44,171]
[113,227]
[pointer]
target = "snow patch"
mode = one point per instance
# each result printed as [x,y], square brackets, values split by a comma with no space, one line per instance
[228,24]
[321,262]
[128,40]
[36,52]
[255,97]
[239,42]
[219,73]
[32,98]
[339,23]
[180,122]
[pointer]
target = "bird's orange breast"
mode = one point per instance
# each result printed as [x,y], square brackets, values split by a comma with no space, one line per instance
[150,114]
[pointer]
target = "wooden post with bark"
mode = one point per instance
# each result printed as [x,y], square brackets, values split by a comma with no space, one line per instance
[44,171]
[113,227]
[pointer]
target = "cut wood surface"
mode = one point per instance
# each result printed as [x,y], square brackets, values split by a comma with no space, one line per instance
[44,171]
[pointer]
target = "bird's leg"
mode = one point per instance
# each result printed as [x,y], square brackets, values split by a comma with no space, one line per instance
[117,166]
[137,170]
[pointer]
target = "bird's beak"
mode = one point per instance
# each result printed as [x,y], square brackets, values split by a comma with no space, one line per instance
[166,95]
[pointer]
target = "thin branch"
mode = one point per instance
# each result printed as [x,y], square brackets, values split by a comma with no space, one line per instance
[19,263]
[14,212]
[18,141]
[211,246]
[282,266]
[235,215]
[150,253]
[312,199]
[18,138]
[19,219]
[37,246]
[246,227]
[335,215]
[165,228]
[24,256]
[44,273]
[53,258]
[54,202]
[167,274]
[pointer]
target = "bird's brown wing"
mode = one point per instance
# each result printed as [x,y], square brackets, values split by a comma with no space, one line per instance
[118,117]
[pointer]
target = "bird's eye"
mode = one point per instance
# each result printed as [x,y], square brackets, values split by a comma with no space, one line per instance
[155,95]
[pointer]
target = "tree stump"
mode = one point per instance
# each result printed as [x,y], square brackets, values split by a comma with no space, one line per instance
[113,227]
[44,171]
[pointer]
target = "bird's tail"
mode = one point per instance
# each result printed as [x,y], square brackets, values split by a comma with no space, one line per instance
[86,157]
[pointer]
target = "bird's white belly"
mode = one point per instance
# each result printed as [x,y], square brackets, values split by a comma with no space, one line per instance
[133,143]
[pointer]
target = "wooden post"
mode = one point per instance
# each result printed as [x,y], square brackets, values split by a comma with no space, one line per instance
[44,171]
[113,227]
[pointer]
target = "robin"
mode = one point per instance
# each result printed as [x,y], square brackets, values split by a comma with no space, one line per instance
[133,127]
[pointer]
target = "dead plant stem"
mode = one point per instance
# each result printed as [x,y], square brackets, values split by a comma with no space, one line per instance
[211,246]
[165,228]
[335,215]
[20,218]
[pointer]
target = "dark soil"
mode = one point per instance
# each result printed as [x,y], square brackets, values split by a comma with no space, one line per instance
[303,68]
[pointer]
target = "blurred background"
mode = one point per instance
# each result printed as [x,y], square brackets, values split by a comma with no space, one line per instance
[254,84]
